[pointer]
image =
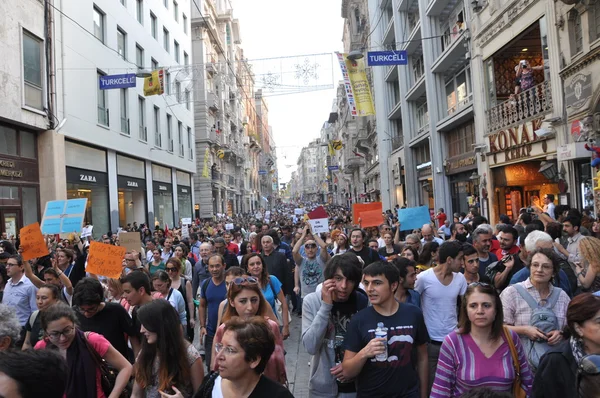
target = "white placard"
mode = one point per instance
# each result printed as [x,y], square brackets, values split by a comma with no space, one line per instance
[185,232]
[298,211]
[186,221]
[87,231]
[319,226]
[228,227]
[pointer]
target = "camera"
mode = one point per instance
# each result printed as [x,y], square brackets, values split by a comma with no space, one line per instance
[530,210]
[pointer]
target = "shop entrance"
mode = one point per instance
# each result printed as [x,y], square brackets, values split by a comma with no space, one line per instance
[9,219]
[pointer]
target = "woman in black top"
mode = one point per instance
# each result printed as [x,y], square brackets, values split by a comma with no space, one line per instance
[390,251]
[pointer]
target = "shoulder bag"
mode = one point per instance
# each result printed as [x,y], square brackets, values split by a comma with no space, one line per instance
[517,390]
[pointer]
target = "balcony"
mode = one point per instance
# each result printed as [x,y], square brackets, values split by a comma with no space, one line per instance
[212,100]
[440,7]
[389,37]
[396,112]
[216,176]
[353,164]
[417,90]
[211,67]
[414,39]
[391,73]
[453,53]
[523,106]
[397,142]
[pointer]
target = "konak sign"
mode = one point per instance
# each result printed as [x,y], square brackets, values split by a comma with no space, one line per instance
[515,142]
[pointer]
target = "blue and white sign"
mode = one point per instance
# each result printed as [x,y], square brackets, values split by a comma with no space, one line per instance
[333,168]
[63,216]
[117,81]
[262,172]
[379,58]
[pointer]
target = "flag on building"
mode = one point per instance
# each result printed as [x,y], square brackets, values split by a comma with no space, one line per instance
[155,84]
[205,169]
[357,86]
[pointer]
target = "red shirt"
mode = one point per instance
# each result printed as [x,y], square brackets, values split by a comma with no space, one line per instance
[233,247]
[513,250]
[441,218]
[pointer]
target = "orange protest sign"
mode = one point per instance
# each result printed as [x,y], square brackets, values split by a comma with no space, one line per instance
[105,260]
[371,218]
[32,242]
[358,208]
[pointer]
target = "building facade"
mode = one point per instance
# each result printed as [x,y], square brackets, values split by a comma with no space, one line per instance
[132,156]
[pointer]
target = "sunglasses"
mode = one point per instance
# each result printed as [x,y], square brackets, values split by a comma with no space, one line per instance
[310,246]
[250,280]
[171,269]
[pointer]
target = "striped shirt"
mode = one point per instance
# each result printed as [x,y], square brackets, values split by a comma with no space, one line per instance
[462,366]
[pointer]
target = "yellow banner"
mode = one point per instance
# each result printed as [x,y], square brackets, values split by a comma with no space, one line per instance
[154,85]
[360,86]
[205,169]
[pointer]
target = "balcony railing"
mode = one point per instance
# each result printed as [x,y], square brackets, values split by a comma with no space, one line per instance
[461,104]
[525,105]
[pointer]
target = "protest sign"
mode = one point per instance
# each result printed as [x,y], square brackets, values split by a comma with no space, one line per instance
[105,260]
[317,213]
[319,226]
[87,231]
[32,242]
[228,227]
[298,211]
[130,241]
[358,208]
[185,232]
[186,221]
[371,218]
[413,218]
[63,216]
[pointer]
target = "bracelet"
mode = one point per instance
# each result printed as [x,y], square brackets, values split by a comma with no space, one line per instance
[579,274]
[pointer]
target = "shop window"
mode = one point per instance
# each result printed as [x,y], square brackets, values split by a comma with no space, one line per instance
[30,205]
[32,71]
[8,141]
[9,192]
[27,144]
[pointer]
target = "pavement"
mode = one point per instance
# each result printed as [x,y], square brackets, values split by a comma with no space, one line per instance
[296,360]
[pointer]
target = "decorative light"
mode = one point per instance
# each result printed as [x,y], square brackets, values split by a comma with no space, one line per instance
[549,170]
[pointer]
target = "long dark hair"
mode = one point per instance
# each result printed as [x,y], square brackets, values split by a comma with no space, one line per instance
[160,317]
[426,256]
[264,275]
[234,290]
[464,324]
[582,308]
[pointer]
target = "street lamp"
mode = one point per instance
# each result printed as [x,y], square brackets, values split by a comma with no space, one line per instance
[549,170]
[142,74]
[354,55]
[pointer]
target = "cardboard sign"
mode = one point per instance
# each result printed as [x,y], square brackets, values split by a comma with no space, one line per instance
[317,213]
[130,241]
[228,227]
[87,231]
[63,216]
[319,225]
[413,218]
[186,221]
[105,260]
[371,218]
[185,232]
[32,242]
[358,208]
[298,211]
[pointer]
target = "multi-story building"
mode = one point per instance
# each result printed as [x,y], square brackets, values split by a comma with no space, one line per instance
[310,172]
[518,128]
[32,166]
[579,39]
[132,156]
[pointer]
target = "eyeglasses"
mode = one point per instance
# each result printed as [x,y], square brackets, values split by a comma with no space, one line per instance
[250,280]
[588,366]
[91,310]
[310,246]
[171,269]
[227,350]
[67,332]
[12,264]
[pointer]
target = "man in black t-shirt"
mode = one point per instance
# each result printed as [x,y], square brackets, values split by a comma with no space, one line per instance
[394,366]
[357,239]
[136,290]
[325,317]
[108,319]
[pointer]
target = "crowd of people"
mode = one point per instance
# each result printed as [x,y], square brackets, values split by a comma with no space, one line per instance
[456,308]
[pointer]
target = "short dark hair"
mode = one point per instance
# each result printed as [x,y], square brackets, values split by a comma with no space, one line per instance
[526,218]
[402,264]
[88,291]
[348,263]
[575,221]
[216,255]
[468,249]
[454,225]
[55,312]
[477,221]
[362,232]
[554,229]
[372,241]
[219,240]
[449,249]
[235,271]
[49,368]
[137,280]
[550,197]
[383,268]
[194,236]
[509,229]
[255,337]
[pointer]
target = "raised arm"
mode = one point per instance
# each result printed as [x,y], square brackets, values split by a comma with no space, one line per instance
[296,249]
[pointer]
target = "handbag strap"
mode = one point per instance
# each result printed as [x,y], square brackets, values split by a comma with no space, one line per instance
[513,352]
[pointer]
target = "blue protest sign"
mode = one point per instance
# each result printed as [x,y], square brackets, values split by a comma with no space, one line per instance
[117,81]
[63,216]
[413,218]
[379,58]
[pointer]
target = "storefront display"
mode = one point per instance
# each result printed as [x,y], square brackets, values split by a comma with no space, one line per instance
[92,185]
[184,201]
[163,204]
[132,191]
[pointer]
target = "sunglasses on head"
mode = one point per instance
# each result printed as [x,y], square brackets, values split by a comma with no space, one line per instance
[479,284]
[249,280]
[171,269]
[310,246]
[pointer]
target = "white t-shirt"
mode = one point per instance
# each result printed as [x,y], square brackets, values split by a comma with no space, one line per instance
[438,302]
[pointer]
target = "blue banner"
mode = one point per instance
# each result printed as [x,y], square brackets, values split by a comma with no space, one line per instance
[117,81]
[413,218]
[333,168]
[262,172]
[379,58]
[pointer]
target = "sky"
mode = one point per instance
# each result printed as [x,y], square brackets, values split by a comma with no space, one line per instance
[281,28]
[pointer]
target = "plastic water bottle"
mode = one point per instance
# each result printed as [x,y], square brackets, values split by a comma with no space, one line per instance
[381,332]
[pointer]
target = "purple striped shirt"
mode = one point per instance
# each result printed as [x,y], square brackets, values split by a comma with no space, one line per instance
[462,367]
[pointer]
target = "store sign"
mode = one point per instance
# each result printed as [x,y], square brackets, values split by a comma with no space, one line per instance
[79,176]
[578,91]
[571,151]
[131,183]
[380,58]
[117,81]
[515,142]
[454,165]
[7,169]
[162,187]
[183,190]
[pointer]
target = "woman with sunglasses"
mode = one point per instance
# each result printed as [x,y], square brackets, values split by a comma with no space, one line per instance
[166,359]
[84,352]
[183,284]
[163,290]
[271,288]
[242,356]
[559,369]
[157,263]
[478,354]
[245,300]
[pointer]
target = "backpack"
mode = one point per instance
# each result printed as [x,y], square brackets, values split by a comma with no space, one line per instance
[543,318]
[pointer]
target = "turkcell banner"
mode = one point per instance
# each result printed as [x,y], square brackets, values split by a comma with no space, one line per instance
[379,58]
[357,85]
[117,81]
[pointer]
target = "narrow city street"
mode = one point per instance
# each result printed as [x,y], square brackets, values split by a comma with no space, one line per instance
[296,360]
